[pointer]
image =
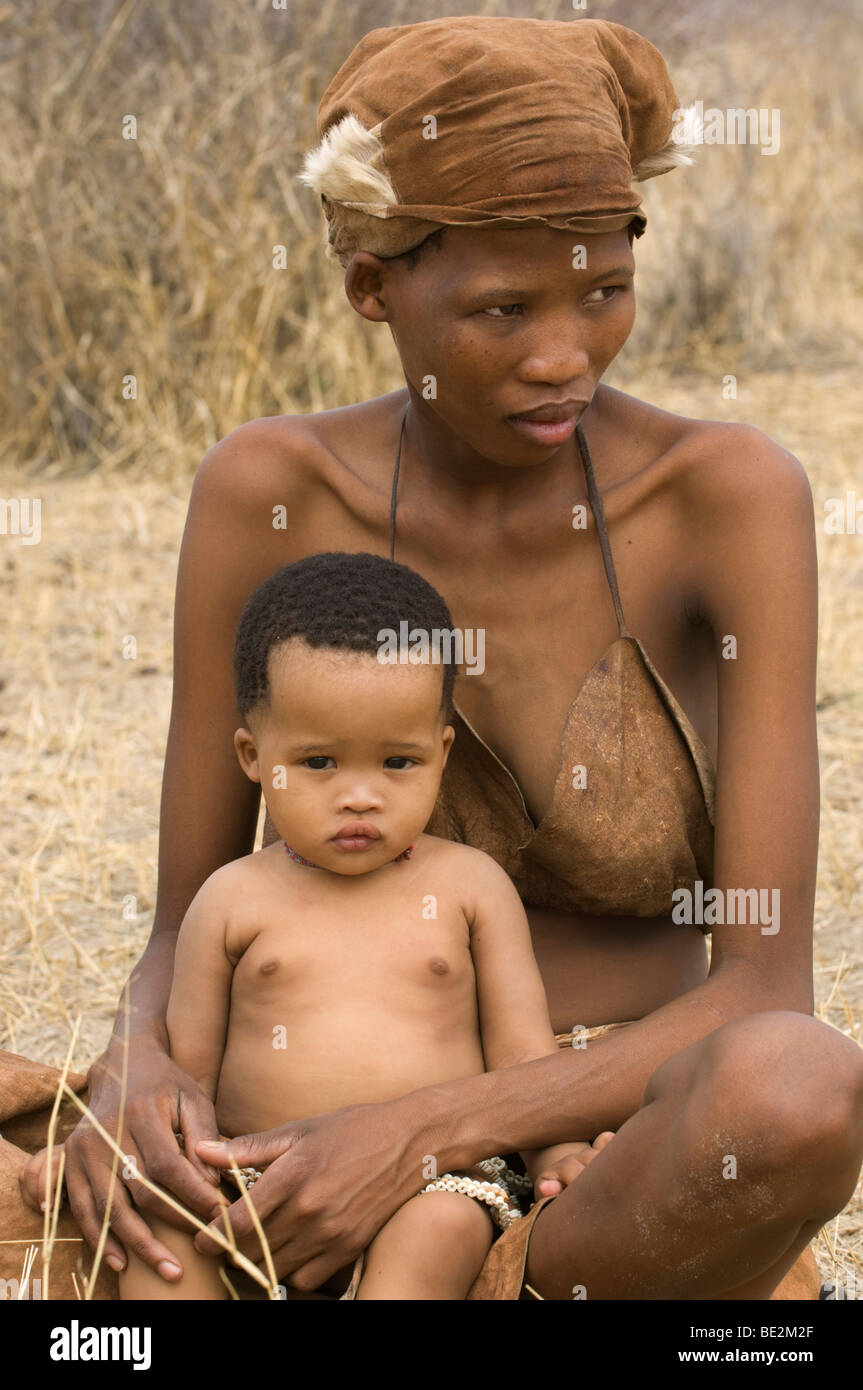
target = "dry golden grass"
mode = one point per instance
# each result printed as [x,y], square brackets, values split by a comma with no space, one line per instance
[154,257]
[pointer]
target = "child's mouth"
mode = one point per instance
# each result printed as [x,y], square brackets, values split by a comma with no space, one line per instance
[356,836]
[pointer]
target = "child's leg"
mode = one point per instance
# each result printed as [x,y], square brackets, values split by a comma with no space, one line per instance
[201,1279]
[431,1248]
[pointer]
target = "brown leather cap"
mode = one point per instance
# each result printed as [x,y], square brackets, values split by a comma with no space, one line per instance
[478,121]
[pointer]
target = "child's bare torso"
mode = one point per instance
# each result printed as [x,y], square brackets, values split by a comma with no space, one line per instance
[345,989]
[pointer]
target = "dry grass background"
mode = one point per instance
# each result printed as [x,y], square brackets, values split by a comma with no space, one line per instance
[153,257]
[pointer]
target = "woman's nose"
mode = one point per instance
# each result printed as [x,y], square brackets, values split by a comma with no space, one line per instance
[558,355]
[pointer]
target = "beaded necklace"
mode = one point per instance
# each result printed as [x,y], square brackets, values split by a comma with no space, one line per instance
[405,854]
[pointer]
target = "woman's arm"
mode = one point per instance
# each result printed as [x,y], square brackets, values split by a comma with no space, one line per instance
[746,511]
[207,818]
[197,1020]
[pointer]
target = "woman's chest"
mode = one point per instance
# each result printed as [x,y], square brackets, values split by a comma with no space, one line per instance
[549,672]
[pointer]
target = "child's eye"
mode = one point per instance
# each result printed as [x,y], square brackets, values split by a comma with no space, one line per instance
[318,762]
[398,763]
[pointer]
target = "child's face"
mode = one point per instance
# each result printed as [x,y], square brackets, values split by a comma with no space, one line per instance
[347,744]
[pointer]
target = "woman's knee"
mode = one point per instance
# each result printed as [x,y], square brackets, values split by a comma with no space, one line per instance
[786,1093]
[792,1061]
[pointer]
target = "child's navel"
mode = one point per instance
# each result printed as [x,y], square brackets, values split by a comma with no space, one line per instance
[269,966]
[438,965]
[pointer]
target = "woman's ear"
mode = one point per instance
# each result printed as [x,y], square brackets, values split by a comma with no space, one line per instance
[364,286]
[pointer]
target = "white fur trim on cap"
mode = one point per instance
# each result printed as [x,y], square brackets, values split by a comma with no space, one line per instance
[348,166]
[686,135]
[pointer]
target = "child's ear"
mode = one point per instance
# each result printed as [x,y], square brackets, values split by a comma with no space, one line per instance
[447,736]
[247,752]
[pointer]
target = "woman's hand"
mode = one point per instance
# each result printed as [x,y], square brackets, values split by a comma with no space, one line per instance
[160,1099]
[555,1168]
[34,1180]
[331,1183]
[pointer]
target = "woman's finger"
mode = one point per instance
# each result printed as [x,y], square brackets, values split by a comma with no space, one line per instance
[91,1226]
[164,1163]
[312,1275]
[248,1150]
[130,1232]
[198,1124]
[84,1210]
[139,1240]
[31,1182]
[32,1179]
[270,1196]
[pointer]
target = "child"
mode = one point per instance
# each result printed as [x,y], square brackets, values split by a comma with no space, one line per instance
[356,925]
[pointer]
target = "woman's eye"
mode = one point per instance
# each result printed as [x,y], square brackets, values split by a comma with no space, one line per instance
[398,763]
[608,290]
[317,763]
[499,308]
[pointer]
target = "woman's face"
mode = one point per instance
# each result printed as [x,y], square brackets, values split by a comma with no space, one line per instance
[503,321]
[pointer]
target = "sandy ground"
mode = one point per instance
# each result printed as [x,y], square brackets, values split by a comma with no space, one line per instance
[83,729]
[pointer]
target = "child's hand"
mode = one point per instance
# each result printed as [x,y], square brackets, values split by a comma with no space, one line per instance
[554,1168]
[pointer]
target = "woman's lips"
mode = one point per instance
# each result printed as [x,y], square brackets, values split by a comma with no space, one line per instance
[548,432]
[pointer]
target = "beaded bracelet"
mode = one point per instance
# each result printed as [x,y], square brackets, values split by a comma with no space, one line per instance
[501,1204]
[504,1209]
[496,1168]
[249,1176]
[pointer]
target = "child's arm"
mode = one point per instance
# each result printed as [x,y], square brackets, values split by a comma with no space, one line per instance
[197,1024]
[197,1017]
[513,1009]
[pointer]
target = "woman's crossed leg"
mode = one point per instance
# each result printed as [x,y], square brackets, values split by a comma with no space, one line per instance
[746,1142]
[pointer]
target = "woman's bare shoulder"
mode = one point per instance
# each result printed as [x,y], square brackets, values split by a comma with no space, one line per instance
[706,462]
[743,511]
[287,453]
[730,471]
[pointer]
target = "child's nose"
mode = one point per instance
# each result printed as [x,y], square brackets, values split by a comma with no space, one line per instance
[362,794]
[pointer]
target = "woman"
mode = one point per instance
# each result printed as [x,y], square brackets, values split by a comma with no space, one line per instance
[475,175]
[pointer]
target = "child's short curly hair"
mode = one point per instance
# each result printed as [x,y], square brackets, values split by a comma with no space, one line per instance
[336,600]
